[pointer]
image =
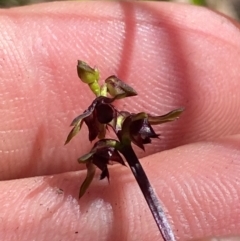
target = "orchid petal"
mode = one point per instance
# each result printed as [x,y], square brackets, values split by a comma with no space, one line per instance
[77,122]
[73,132]
[105,173]
[80,117]
[86,183]
[86,158]
[93,128]
[171,116]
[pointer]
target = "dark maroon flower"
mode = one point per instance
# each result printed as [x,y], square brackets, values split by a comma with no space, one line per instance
[103,153]
[100,112]
[141,132]
[137,128]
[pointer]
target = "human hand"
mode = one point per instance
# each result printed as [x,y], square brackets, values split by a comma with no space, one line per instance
[173,55]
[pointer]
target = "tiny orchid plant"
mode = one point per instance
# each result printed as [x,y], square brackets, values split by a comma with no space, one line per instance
[129,128]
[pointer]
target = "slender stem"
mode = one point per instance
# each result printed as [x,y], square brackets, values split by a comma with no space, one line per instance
[148,192]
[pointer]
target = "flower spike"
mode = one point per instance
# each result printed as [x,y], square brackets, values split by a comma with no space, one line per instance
[129,128]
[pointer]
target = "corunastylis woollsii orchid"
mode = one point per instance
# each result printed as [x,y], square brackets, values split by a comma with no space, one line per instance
[129,128]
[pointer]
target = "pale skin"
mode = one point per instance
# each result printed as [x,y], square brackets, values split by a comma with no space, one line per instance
[173,55]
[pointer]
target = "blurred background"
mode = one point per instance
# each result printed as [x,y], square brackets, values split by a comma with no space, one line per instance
[228,7]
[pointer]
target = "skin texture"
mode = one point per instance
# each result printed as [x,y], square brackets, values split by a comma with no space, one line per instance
[173,55]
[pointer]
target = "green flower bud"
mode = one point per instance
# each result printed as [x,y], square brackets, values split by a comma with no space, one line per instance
[89,76]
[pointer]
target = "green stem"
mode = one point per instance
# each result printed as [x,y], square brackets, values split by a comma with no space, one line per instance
[148,192]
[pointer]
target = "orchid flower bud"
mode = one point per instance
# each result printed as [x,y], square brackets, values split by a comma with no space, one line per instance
[118,89]
[89,76]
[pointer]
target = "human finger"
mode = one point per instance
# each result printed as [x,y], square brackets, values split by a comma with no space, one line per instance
[173,55]
[198,185]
